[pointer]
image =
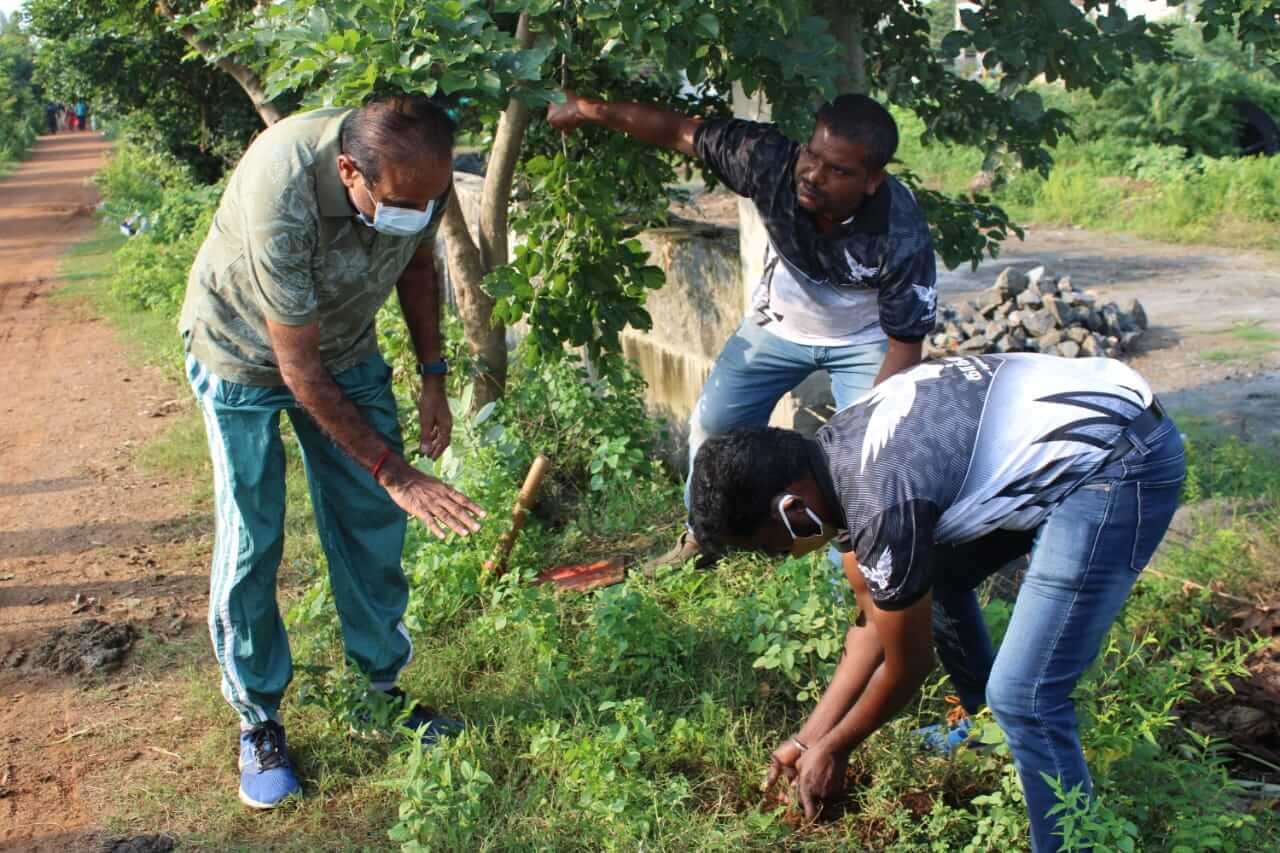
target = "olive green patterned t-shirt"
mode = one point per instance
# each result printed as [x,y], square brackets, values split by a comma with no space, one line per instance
[286,246]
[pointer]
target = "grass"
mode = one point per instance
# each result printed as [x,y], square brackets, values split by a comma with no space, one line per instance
[641,717]
[1256,342]
[1106,184]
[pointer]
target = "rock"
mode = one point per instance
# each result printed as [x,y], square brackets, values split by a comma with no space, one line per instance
[952,330]
[1014,319]
[938,339]
[1050,338]
[1064,285]
[1060,311]
[977,343]
[1002,310]
[970,329]
[1095,322]
[989,299]
[1127,338]
[1012,281]
[1031,297]
[1078,334]
[1083,299]
[1111,319]
[1037,323]
[1017,340]
[1139,315]
[1002,344]
[1090,347]
[1068,349]
[993,330]
[1041,278]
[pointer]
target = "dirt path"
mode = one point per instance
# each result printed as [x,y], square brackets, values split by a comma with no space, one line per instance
[83,533]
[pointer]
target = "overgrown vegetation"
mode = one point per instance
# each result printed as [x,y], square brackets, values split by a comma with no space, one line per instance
[641,716]
[21,110]
[1155,154]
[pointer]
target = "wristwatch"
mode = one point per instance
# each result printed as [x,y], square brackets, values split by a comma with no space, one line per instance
[434,368]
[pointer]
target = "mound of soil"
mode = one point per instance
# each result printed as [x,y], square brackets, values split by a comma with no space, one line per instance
[1250,717]
[90,647]
[139,844]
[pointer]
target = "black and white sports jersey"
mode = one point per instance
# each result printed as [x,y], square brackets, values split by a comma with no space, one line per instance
[870,276]
[951,450]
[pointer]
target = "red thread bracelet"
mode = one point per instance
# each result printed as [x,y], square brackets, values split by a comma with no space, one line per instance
[386,454]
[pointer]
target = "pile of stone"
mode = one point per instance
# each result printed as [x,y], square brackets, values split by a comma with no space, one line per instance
[1035,311]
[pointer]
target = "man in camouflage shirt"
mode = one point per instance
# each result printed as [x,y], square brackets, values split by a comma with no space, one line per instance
[326,213]
[848,282]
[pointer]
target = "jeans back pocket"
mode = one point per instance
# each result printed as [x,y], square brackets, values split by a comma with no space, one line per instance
[1156,505]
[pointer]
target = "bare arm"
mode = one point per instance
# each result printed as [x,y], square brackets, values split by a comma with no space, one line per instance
[297,350]
[863,654]
[901,356]
[419,292]
[645,122]
[906,637]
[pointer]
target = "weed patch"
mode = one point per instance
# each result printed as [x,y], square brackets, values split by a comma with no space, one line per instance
[642,716]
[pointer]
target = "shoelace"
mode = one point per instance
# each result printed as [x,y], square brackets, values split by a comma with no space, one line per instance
[267,740]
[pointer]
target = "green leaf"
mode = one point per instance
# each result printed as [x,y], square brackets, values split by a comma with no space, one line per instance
[457,80]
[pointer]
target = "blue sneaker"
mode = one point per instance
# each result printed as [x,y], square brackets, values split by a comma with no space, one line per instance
[420,718]
[943,739]
[266,777]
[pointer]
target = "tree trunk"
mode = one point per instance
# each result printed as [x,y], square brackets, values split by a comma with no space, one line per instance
[468,264]
[846,26]
[488,343]
[501,169]
[242,74]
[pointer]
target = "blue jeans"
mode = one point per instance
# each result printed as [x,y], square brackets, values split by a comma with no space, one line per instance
[756,368]
[1085,558]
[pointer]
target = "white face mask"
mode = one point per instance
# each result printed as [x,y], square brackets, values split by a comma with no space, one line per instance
[396,221]
[801,545]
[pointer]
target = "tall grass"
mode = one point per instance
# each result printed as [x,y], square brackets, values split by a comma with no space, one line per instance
[1107,184]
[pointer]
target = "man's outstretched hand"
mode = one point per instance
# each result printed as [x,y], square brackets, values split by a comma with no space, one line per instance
[819,778]
[567,117]
[782,765]
[434,502]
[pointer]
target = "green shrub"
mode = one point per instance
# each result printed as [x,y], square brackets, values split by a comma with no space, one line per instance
[21,112]
[152,187]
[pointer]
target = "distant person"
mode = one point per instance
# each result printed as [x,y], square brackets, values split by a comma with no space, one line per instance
[849,271]
[51,111]
[82,115]
[933,481]
[326,214]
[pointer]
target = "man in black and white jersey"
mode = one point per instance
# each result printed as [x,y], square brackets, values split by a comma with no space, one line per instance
[933,480]
[849,271]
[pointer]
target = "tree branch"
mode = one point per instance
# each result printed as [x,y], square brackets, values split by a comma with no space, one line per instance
[500,171]
[475,307]
[846,26]
[242,74]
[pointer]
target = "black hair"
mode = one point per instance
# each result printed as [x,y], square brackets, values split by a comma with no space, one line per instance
[399,128]
[736,475]
[860,119]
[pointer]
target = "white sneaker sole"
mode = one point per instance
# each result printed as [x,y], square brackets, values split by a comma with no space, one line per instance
[254,804]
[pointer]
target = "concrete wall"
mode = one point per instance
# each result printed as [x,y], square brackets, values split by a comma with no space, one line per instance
[694,313]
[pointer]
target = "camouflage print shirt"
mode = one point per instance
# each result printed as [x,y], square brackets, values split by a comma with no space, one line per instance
[870,276]
[285,246]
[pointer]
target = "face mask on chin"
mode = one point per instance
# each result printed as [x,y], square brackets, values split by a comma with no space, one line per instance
[802,545]
[396,221]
